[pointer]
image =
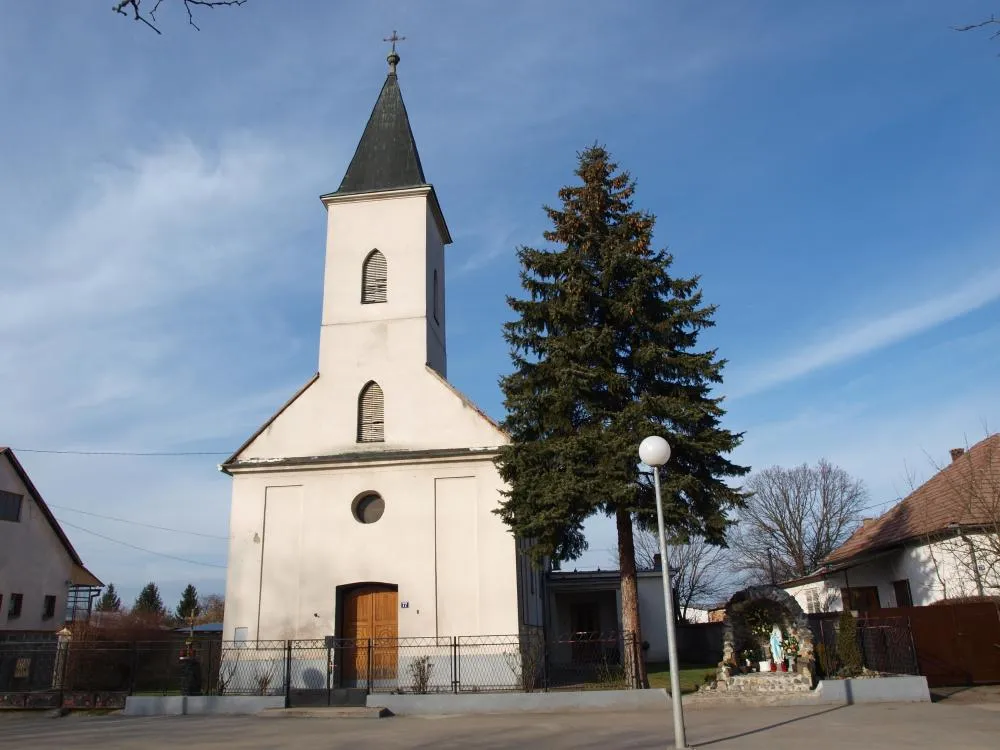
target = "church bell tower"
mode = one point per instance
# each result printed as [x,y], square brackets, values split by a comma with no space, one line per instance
[384,281]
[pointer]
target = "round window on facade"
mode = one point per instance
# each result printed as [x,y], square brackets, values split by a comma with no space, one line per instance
[368,508]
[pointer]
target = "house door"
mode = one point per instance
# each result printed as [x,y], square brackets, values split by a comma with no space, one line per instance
[586,618]
[370,630]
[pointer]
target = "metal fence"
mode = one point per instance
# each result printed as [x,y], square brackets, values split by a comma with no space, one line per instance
[101,673]
[886,646]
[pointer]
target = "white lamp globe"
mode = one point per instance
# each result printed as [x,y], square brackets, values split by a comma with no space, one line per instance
[654,451]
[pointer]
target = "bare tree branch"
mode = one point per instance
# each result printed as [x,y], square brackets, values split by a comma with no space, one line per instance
[794,518]
[972,541]
[699,571]
[133,7]
[991,21]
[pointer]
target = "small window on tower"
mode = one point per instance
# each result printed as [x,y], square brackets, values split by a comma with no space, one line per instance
[374,285]
[371,414]
[436,295]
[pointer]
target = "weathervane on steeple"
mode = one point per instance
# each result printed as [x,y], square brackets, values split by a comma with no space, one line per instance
[393,57]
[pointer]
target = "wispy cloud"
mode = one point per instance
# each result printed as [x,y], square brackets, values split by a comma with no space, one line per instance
[862,337]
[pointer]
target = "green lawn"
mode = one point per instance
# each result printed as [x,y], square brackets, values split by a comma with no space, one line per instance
[691,677]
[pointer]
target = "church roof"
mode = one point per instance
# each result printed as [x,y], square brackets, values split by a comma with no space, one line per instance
[386,157]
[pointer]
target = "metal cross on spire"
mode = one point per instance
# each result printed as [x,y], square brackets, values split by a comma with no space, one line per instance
[393,57]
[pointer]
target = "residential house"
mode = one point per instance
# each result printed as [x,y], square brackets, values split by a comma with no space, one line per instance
[588,604]
[43,581]
[940,542]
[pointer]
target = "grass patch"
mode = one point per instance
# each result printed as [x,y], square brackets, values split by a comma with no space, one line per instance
[690,677]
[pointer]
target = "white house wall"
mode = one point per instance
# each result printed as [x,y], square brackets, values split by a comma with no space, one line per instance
[33,562]
[935,571]
[452,559]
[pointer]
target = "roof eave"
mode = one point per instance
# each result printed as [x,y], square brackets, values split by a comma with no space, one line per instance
[400,192]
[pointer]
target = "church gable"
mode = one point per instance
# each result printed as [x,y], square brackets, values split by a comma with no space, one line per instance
[420,413]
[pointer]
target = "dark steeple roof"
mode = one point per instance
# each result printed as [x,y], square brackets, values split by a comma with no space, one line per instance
[386,157]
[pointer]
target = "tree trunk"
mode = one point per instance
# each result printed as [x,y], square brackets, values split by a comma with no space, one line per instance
[630,601]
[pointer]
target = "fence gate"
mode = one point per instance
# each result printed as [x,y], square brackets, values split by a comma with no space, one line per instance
[313,674]
[956,644]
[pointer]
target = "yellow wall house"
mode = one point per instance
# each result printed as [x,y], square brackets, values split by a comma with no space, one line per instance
[43,582]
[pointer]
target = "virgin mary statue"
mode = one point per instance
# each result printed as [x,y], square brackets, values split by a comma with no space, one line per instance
[777,653]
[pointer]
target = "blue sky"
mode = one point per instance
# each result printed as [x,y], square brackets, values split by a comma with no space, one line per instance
[828,168]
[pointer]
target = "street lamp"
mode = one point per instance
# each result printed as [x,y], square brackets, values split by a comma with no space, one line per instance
[655,452]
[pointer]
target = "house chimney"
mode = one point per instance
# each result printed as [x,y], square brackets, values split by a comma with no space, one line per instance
[956,453]
[657,561]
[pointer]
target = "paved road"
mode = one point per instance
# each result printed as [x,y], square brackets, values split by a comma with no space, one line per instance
[885,727]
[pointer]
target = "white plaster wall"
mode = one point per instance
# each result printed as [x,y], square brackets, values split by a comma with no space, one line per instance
[33,562]
[438,541]
[935,571]
[653,616]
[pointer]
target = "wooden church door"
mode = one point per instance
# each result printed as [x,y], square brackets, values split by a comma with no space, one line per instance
[371,627]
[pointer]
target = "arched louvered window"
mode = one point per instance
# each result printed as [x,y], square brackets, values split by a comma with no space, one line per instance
[374,287]
[371,414]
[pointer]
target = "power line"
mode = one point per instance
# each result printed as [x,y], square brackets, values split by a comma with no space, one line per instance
[123,453]
[139,523]
[141,549]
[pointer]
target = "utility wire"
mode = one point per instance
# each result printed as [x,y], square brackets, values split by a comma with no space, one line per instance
[141,549]
[138,523]
[123,453]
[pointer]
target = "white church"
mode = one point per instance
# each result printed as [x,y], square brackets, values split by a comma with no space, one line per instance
[363,507]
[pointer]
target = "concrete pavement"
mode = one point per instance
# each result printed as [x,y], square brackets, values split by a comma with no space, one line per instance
[886,727]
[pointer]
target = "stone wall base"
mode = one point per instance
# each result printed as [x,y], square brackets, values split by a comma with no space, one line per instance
[200,705]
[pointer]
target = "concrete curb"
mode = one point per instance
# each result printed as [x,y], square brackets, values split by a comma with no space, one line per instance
[326,712]
[896,689]
[500,703]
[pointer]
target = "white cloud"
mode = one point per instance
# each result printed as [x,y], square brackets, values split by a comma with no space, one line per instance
[861,337]
[124,330]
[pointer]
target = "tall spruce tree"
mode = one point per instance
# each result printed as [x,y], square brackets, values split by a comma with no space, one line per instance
[604,354]
[149,603]
[109,601]
[188,606]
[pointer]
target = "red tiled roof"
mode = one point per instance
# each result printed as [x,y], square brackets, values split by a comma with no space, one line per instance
[965,493]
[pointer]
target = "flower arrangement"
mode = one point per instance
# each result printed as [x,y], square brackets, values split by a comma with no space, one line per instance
[791,646]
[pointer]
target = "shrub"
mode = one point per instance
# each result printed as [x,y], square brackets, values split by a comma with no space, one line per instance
[848,652]
[420,672]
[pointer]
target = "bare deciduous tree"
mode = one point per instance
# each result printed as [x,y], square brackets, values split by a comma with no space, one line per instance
[794,518]
[134,9]
[700,572]
[212,606]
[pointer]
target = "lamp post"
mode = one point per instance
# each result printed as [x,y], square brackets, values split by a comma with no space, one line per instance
[655,452]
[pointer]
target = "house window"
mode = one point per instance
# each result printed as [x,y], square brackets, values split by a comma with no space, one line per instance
[49,610]
[368,508]
[861,598]
[10,506]
[240,634]
[374,285]
[14,609]
[904,598]
[812,601]
[435,308]
[371,414]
